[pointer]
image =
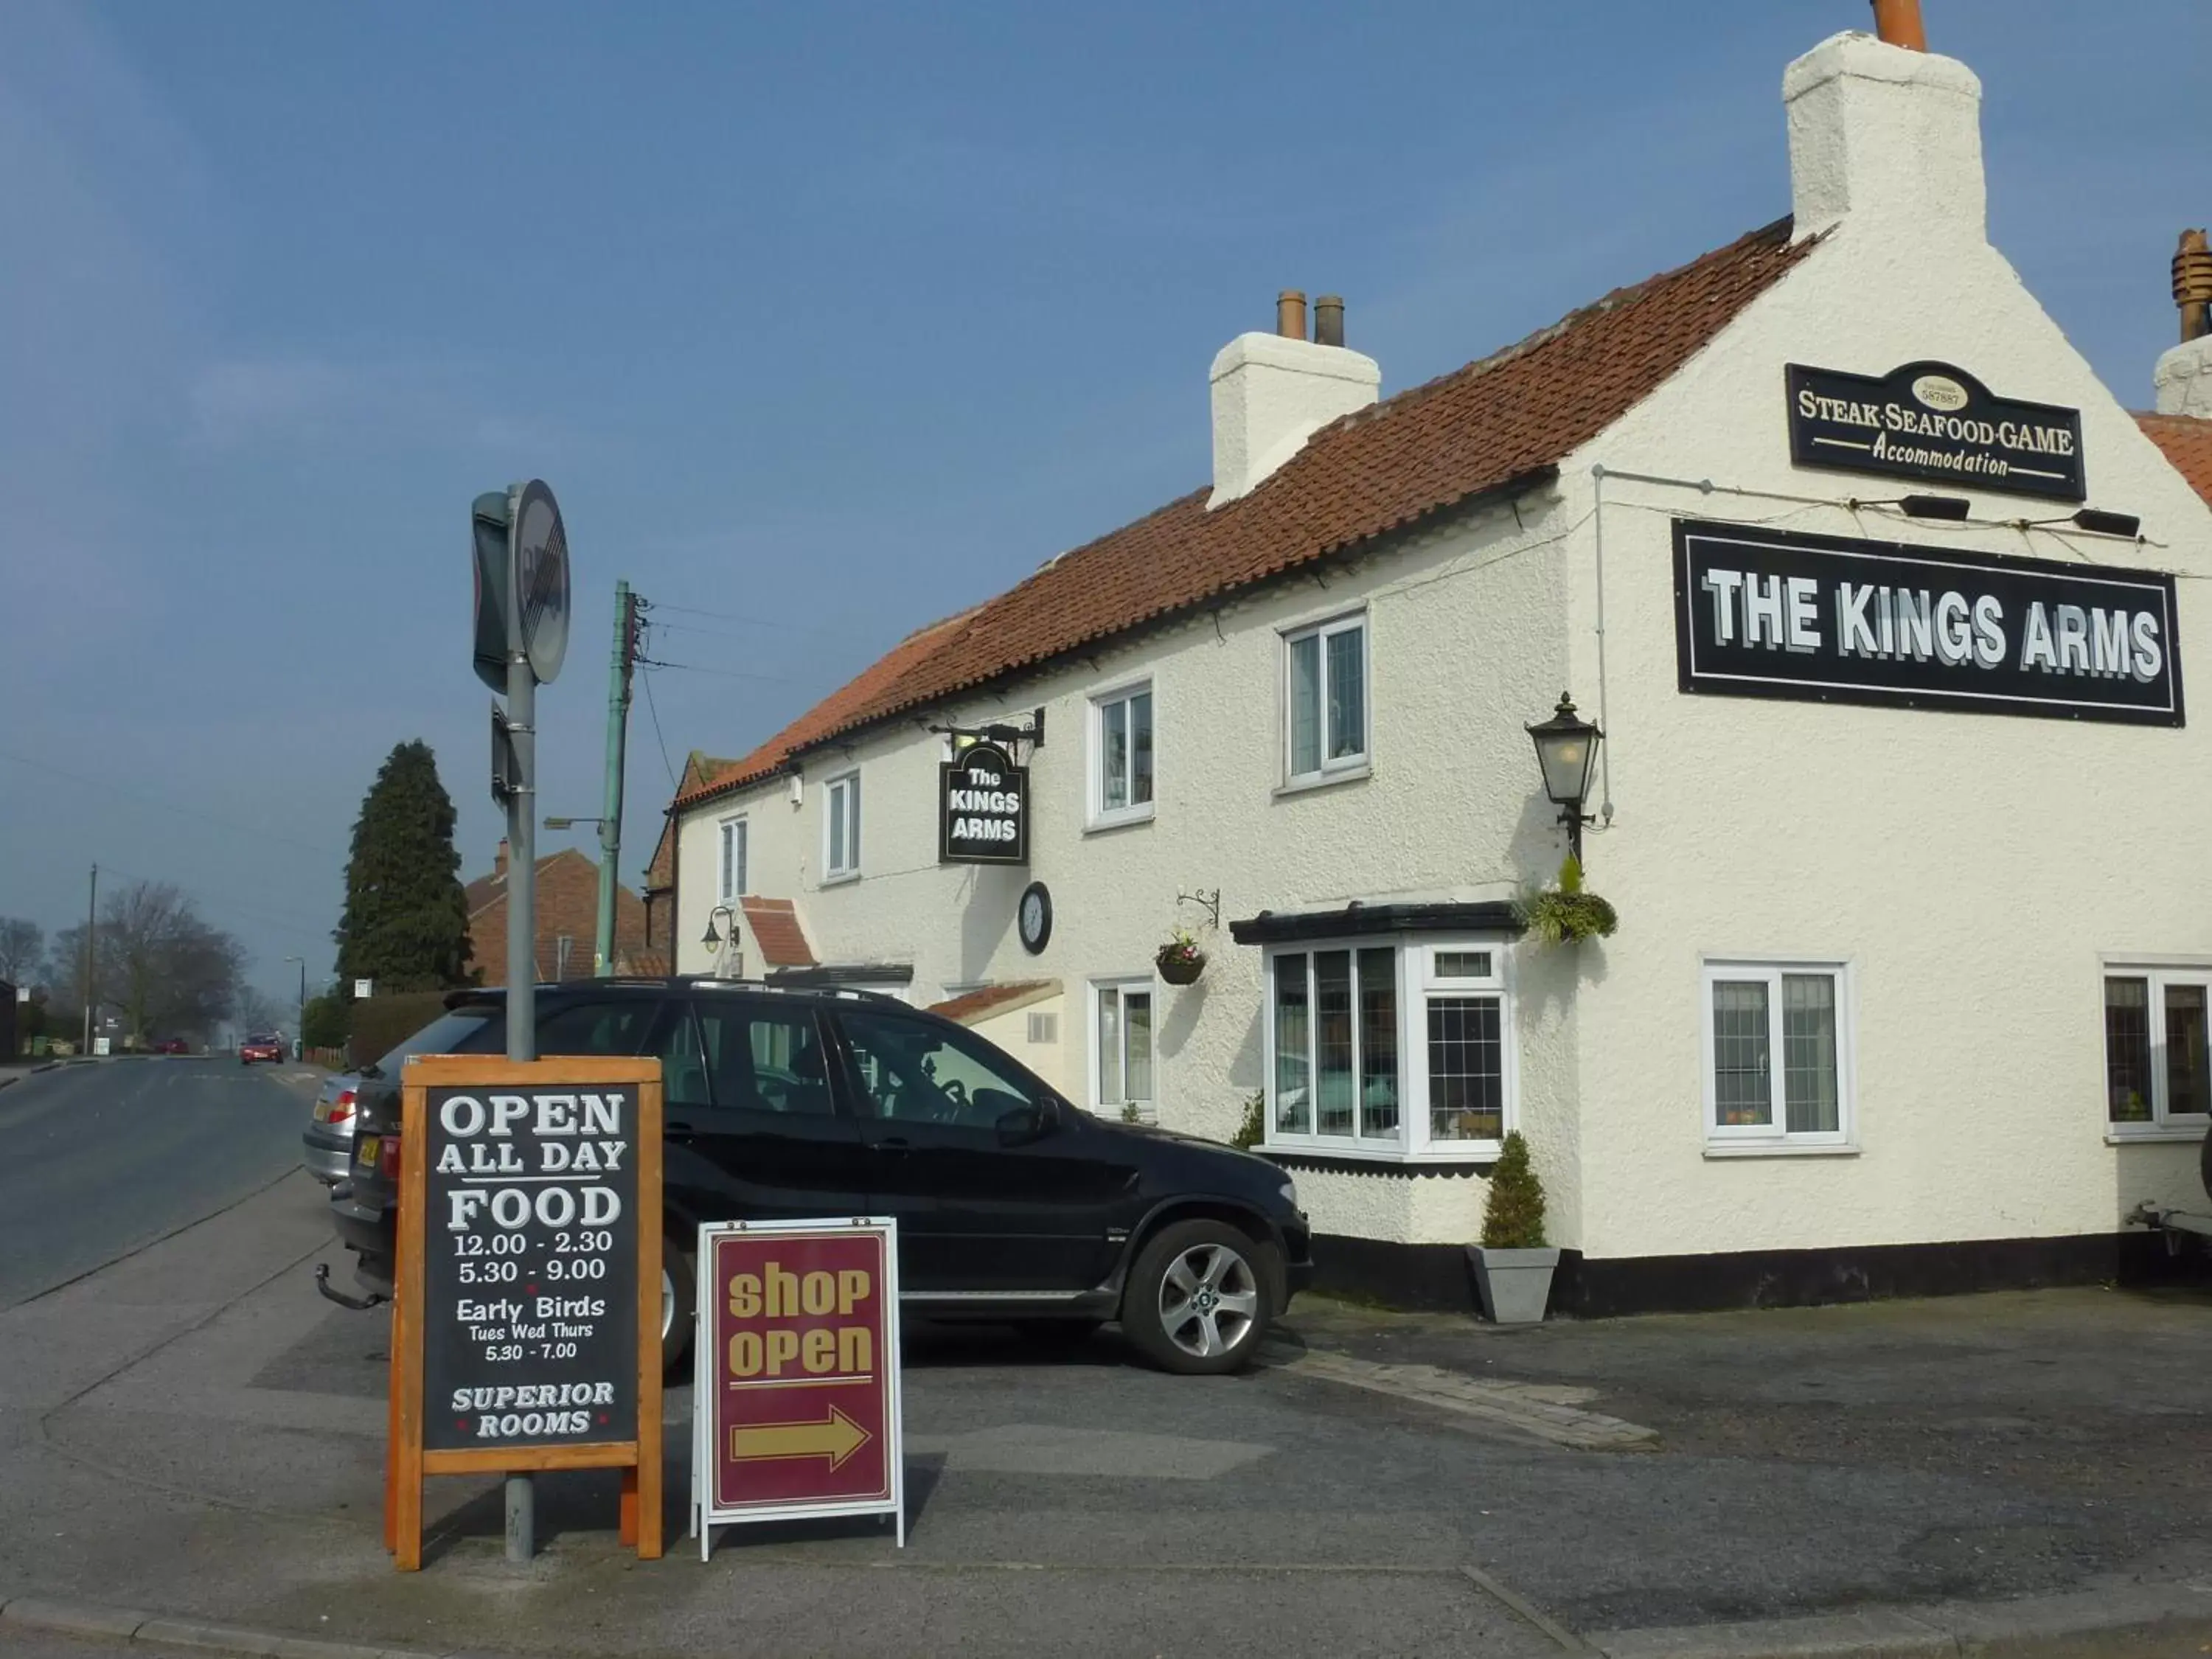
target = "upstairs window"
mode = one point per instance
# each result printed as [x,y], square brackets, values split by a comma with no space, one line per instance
[2156,1075]
[733,859]
[1326,699]
[1122,755]
[840,827]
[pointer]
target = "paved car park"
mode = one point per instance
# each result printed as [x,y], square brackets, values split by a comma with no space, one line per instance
[1384,1483]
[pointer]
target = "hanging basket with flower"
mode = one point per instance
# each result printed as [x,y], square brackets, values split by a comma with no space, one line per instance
[1180,960]
[1565,914]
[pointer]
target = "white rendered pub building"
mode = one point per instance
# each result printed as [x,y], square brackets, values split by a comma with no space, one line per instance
[1885,607]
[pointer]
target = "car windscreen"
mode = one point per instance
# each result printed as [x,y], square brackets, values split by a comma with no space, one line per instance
[472,1029]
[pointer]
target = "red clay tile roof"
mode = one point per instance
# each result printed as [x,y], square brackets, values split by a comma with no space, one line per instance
[1508,418]
[775,924]
[645,964]
[984,1002]
[831,714]
[2187,443]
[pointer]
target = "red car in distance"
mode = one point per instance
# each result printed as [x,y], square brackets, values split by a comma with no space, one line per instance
[172,1046]
[262,1046]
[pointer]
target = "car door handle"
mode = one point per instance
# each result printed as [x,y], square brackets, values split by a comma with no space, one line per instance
[894,1144]
[677,1131]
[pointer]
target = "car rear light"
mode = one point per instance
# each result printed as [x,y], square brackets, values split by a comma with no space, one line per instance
[341,1108]
[387,1159]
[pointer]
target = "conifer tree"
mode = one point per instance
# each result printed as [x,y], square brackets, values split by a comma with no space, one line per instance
[406,923]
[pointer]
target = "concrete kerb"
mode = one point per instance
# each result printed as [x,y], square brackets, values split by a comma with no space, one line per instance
[1951,1630]
[122,1624]
[2030,1625]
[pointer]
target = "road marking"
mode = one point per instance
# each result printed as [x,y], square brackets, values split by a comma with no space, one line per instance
[1549,1411]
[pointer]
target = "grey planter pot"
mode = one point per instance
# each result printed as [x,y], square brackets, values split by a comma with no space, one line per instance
[1515,1285]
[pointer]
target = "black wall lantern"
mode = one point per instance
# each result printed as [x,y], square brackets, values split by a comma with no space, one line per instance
[712,941]
[1566,749]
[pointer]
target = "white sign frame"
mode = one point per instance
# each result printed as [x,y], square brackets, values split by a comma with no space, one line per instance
[705,1516]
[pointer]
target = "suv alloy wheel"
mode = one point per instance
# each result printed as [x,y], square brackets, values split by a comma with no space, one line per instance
[1200,1298]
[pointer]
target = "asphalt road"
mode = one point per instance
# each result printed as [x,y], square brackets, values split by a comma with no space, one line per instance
[98,1160]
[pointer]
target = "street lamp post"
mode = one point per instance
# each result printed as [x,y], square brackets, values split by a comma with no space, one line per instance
[1566,749]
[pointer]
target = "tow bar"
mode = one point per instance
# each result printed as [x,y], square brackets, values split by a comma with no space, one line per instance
[360,1305]
[2171,1223]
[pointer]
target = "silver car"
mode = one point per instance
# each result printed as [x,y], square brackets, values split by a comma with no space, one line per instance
[328,1134]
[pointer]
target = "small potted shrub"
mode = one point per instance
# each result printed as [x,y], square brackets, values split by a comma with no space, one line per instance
[1565,914]
[1180,961]
[1513,1266]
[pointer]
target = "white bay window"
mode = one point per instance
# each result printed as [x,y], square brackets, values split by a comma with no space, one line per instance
[1388,1047]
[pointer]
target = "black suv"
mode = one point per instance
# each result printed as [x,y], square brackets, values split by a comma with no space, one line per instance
[1012,1205]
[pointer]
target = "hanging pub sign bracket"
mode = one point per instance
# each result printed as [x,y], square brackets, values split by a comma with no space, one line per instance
[1004,736]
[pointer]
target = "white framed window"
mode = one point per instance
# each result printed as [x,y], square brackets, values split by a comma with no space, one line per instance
[840,827]
[1325,699]
[1778,1047]
[1122,755]
[2157,1080]
[733,859]
[1121,1048]
[1391,1048]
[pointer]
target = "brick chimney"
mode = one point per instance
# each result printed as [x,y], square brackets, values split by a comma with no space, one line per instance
[499,861]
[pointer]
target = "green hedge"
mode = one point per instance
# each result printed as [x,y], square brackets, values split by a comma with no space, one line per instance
[381,1023]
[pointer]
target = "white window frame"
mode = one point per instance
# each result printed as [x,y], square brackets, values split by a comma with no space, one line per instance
[2164,1124]
[1148,1111]
[848,784]
[1753,1139]
[1100,816]
[733,829]
[1351,765]
[1417,980]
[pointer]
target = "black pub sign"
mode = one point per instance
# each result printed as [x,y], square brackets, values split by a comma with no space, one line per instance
[1933,422]
[1767,613]
[530,1325]
[982,808]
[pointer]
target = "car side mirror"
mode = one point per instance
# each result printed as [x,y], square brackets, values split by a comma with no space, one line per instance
[1028,1122]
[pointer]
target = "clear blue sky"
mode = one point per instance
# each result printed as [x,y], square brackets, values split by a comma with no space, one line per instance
[827,319]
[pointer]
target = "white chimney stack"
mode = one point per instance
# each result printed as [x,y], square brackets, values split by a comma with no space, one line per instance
[1884,133]
[1272,392]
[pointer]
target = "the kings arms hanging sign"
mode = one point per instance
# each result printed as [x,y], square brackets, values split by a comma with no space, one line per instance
[982,808]
[1933,422]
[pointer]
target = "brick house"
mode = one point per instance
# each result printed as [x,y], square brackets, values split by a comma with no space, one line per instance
[567,920]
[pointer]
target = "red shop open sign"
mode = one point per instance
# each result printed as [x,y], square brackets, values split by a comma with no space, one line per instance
[796,1413]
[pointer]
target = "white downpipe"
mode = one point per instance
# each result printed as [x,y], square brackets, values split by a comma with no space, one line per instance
[1605,748]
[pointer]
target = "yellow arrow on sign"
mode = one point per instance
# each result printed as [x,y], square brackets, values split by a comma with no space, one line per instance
[837,1439]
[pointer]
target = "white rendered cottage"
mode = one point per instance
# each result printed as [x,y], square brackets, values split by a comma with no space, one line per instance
[1910,986]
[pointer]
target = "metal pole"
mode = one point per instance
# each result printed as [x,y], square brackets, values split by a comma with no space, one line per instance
[603,945]
[522,975]
[300,1031]
[91,954]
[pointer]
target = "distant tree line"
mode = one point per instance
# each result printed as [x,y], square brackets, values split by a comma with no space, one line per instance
[158,967]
